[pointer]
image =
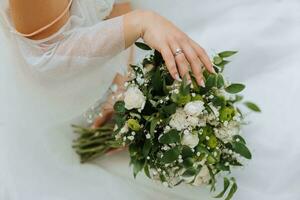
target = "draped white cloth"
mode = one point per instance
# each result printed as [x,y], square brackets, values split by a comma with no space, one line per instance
[36,159]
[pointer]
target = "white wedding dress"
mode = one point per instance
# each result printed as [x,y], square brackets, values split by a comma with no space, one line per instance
[39,99]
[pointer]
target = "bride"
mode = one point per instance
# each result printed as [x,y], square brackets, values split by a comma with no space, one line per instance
[67,46]
[49,78]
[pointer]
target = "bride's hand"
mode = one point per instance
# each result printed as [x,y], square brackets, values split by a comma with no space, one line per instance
[178,50]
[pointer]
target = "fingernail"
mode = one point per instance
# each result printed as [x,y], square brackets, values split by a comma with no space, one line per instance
[177,77]
[189,81]
[202,83]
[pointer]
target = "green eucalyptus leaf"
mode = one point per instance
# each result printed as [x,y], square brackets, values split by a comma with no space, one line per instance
[226,54]
[138,165]
[217,60]
[223,63]
[240,138]
[232,191]
[143,46]
[252,106]
[235,88]
[211,81]
[226,186]
[187,152]
[153,125]
[169,109]
[170,155]
[146,170]
[241,149]
[220,81]
[157,81]
[147,147]
[170,137]
[188,162]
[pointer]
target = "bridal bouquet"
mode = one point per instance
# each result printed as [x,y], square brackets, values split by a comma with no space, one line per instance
[176,132]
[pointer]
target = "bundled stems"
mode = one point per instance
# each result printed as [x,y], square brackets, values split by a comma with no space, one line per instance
[94,142]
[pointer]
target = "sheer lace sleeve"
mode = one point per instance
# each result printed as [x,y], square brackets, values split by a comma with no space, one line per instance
[78,48]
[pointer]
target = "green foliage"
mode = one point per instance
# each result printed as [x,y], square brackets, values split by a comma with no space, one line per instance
[143,46]
[226,54]
[241,149]
[154,146]
[170,155]
[235,88]
[252,106]
[170,137]
[226,186]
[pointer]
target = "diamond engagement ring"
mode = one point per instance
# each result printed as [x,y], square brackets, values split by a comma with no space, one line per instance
[178,51]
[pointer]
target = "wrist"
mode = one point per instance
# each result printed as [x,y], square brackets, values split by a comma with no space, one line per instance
[135,25]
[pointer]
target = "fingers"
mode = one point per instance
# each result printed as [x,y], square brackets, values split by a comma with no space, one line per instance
[170,62]
[203,56]
[181,61]
[195,63]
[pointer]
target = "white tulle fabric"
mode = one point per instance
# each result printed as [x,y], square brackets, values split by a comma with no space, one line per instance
[82,41]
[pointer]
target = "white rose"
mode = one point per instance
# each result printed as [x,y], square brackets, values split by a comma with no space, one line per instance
[190,140]
[225,133]
[203,176]
[179,120]
[193,121]
[134,98]
[194,108]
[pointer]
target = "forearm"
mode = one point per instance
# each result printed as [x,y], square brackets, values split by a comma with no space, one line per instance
[133,28]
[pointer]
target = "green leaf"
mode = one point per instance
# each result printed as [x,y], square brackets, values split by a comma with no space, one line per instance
[187,152]
[235,88]
[143,46]
[158,59]
[170,137]
[211,81]
[157,81]
[190,172]
[188,162]
[147,148]
[242,140]
[120,120]
[223,63]
[138,165]
[217,60]
[226,54]
[146,170]
[241,149]
[232,191]
[226,186]
[220,81]
[119,107]
[170,155]
[252,106]
[153,125]
[169,109]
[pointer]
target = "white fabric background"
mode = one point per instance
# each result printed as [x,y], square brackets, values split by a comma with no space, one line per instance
[37,163]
